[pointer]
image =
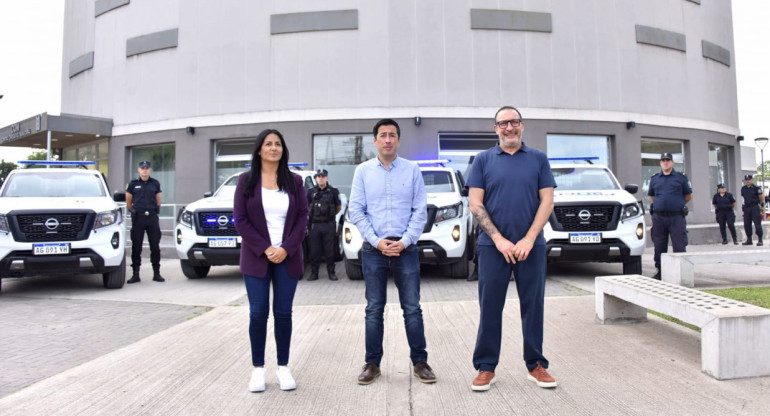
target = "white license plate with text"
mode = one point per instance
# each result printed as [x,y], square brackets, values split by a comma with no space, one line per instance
[223,242]
[585,238]
[50,249]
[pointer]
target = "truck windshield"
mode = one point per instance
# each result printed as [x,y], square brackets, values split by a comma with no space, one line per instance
[574,179]
[438,181]
[59,184]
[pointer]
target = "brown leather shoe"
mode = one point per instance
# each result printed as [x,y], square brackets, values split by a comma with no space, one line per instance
[483,381]
[424,373]
[540,376]
[369,373]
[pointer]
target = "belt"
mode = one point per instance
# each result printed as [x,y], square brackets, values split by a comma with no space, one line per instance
[144,213]
[393,238]
[668,213]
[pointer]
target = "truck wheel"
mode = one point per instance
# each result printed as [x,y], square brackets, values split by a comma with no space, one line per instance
[459,269]
[194,272]
[354,272]
[633,266]
[116,278]
[338,253]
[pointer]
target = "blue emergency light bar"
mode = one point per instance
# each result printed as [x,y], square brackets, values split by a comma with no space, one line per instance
[299,164]
[575,158]
[440,162]
[57,162]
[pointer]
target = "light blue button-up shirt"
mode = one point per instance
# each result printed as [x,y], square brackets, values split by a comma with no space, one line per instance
[388,203]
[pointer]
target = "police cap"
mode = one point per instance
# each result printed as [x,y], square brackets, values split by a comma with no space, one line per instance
[145,164]
[747,177]
[666,156]
[720,186]
[321,172]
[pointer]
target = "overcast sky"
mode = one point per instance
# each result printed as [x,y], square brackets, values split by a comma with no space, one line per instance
[31,63]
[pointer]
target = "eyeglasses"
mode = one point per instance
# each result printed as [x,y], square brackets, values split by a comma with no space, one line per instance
[505,123]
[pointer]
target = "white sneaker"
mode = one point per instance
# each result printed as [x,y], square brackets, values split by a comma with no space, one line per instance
[257,382]
[285,380]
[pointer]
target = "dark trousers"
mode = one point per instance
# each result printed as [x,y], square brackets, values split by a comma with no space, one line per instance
[320,243]
[406,274]
[494,277]
[665,227]
[751,214]
[726,219]
[258,291]
[140,224]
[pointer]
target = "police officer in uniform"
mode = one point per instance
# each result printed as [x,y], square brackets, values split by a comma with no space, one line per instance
[324,204]
[143,198]
[669,192]
[724,203]
[752,198]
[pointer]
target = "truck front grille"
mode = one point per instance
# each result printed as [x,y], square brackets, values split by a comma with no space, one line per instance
[41,227]
[585,217]
[216,224]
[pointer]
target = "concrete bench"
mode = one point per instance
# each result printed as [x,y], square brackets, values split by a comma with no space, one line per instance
[679,268]
[735,336]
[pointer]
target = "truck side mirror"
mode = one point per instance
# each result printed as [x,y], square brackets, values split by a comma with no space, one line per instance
[631,188]
[207,194]
[119,196]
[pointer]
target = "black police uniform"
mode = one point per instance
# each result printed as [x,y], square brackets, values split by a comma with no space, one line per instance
[725,215]
[144,217]
[323,205]
[751,212]
[668,212]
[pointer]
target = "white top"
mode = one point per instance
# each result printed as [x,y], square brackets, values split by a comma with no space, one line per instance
[276,205]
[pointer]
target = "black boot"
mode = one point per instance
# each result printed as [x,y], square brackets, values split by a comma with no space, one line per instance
[313,276]
[735,242]
[157,277]
[724,241]
[759,243]
[748,243]
[135,277]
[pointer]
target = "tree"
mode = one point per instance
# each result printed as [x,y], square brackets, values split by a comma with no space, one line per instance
[5,169]
[758,176]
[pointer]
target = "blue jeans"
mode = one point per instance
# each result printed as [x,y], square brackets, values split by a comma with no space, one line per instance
[406,273]
[258,291]
[494,276]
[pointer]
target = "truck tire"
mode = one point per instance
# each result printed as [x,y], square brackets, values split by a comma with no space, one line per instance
[459,269]
[338,253]
[633,265]
[194,272]
[116,278]
[354,272]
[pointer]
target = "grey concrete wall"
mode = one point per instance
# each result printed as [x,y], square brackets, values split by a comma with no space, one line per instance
[228,62]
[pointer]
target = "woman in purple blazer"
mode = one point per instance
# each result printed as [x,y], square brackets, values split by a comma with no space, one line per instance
[270,212]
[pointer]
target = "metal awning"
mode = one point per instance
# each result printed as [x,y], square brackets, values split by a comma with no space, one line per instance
[66,130]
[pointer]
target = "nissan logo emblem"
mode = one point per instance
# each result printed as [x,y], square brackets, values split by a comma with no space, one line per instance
[223,220]
[51,223]
[584,215]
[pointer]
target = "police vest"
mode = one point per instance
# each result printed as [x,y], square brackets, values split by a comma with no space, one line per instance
[322,205]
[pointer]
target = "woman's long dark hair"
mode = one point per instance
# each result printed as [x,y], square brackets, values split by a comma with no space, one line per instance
[285,179]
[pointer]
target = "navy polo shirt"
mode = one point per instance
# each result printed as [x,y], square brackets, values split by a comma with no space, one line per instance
[669,191]
[751,195]
[723,203]
[511,185]
[144,194]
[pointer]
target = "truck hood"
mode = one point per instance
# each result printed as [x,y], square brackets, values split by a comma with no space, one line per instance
[214,202]
[443,199]
[615,195]
[96,204]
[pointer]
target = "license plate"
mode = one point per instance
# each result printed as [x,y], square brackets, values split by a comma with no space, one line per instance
[585,238]
[50,249]
[224,242]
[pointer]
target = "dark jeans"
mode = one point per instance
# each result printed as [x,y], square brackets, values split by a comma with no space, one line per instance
[665,227]
[726,219]
[258,291]
[140,224]
[494,277]
[751,215]
[406,273]
[320,242]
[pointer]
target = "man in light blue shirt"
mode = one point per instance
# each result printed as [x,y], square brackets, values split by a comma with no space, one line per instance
[388,204]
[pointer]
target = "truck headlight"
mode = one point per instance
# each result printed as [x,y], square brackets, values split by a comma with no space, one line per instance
[4,224]
[449,212]
[631,211]
[185,218]
[104,219]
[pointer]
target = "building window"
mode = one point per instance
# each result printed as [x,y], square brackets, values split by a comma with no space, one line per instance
[97,151]
[651,151]
[719,167]
[339,154]
[163,159]
[564,148]
[231,157]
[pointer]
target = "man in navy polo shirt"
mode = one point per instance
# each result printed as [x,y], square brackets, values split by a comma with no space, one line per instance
[511,197]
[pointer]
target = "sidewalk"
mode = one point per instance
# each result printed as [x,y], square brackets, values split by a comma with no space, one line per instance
[202,367]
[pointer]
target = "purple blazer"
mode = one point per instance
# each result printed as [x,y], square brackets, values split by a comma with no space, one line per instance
[251,225]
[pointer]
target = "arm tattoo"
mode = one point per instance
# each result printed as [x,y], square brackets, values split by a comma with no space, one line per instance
[484,221]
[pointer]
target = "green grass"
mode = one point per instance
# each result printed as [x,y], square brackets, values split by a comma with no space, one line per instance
[759,296]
